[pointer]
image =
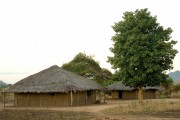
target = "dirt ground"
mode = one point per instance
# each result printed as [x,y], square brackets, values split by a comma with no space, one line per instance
[87,108]
[91,112]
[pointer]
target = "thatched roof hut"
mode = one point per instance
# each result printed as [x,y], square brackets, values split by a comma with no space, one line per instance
[51,82]
[120,86]
[119,90]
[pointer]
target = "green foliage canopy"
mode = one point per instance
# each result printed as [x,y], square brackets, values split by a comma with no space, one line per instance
[143,50]
[85,65]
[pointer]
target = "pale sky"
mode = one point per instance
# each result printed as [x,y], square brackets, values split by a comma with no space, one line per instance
[36,34]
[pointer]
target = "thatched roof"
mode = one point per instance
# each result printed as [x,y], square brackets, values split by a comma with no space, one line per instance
[54,79]
[120,86]
[153,88]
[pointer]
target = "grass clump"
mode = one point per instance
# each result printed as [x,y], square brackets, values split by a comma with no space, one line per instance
[147,106]
[44,115]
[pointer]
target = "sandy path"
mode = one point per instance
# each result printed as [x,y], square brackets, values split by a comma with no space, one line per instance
[88,108]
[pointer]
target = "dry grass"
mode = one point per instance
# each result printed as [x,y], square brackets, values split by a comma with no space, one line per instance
[44,115]
[175,94]
[158,105]
[8,97]
[156,109]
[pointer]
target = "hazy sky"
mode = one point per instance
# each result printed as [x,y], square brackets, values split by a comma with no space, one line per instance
[36,34]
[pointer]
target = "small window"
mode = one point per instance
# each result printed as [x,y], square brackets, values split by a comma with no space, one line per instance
[89,92]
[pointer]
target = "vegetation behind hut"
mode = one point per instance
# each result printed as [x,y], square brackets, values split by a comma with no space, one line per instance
[85,65]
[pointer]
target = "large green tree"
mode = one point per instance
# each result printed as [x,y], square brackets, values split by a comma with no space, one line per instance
[143,50]
[85,65]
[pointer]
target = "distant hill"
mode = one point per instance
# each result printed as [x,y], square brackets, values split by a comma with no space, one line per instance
[2,83]
[175,76]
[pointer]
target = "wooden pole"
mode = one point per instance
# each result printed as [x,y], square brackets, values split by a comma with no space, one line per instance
[54,100]
[78,97]
[4,99]
[86,97]
[71,98]
[100,95]
[40,99]
[104,97]
[112,94]
[28,99]
[17,99]
[94,96]
[14,99]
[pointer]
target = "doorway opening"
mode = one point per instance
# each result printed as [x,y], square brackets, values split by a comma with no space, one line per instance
[120,94]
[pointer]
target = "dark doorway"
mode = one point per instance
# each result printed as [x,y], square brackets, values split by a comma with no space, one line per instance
[89,93]
[120,94]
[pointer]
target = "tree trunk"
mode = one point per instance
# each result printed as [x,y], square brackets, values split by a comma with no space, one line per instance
[140,94]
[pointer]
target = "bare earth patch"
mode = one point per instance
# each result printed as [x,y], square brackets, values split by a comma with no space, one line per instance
[158,109]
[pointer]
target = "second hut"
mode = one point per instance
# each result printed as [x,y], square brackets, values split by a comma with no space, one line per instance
[120,91]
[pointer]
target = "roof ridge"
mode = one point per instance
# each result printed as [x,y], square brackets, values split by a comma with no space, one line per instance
[62,80]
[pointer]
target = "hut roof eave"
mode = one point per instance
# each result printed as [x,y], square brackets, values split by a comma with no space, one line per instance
[54,79]
[120,86]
